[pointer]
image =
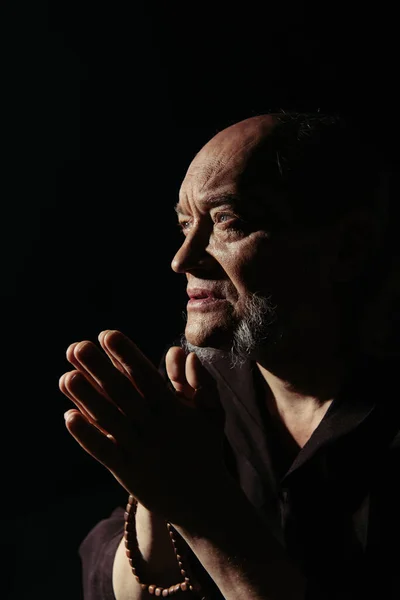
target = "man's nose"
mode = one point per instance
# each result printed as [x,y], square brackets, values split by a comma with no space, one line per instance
[192,254]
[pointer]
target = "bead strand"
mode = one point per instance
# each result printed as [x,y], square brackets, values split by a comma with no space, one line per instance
[135,558]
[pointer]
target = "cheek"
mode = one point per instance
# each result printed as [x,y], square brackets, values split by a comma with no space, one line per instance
[249,266]
[245,261]
[275,270]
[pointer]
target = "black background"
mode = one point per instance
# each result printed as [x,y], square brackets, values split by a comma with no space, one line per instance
[103,109]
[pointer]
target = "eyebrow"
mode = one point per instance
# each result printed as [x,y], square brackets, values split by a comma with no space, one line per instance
[211,201]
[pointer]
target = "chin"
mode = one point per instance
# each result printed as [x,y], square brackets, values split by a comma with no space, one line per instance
[217,338]
[217,345]
[206,354]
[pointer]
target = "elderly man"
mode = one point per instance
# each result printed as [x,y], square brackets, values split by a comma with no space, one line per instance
[259,459]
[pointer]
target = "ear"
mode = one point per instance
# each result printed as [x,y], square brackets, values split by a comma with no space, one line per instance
[356,239]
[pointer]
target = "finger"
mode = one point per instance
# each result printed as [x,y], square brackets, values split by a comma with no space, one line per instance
[101,411]
[75,362]
[66,393]
[80,367]
[197,375]
[141,370]
[207,396]
[175,361]
[113,384]
[114,360]
[99,446]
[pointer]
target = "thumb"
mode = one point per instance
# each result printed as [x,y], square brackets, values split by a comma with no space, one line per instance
[206,391]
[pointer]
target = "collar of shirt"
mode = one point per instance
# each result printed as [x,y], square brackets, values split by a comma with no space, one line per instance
[368,395]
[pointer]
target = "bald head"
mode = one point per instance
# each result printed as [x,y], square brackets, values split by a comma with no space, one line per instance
[246,134]
[229,153]
[315,163]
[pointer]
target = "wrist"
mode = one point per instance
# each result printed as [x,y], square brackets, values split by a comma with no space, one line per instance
[160,558]
[154,541]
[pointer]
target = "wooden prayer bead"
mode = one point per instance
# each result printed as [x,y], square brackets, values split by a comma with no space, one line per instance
[135,558]
[129,526]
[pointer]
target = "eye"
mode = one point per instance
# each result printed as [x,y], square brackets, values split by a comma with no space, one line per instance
[183,226]
[223,217]
[228,220]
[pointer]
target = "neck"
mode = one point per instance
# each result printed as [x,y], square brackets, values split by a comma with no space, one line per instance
[301,387]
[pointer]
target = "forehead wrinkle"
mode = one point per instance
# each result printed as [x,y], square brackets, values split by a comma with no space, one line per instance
[206,173]
[197,180]
[221,163]
[212,201]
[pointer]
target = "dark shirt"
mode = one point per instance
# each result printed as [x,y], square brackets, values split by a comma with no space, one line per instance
[333,504]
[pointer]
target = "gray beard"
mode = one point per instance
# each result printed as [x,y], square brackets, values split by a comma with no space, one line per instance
[253,332]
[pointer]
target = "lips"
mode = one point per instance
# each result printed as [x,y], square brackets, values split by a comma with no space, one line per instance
[199,293]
